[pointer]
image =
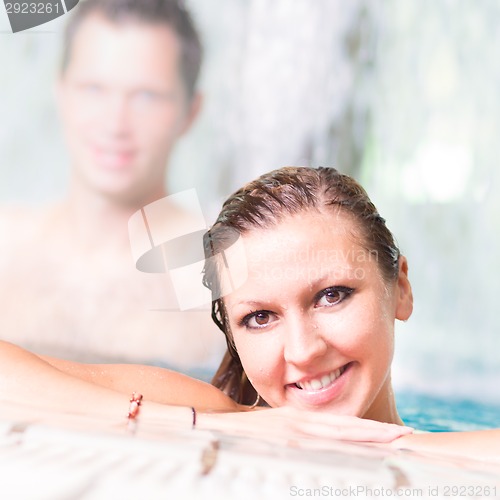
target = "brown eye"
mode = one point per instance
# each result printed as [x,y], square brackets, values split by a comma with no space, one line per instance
[333,296]
[259,319]
[262,318]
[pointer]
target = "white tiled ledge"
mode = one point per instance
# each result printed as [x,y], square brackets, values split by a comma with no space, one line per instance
[68,456]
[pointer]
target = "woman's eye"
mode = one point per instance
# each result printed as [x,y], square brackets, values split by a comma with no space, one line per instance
[258,319]
[332,296]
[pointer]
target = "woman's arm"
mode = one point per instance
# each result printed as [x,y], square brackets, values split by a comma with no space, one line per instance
[482,445]
[155,384]
[103,391]
[28,380]
[169,387]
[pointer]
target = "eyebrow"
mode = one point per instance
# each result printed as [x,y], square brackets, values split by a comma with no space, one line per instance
[340,273]
[255,303]
[310,285]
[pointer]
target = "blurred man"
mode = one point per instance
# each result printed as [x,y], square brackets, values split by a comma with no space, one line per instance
[126,94]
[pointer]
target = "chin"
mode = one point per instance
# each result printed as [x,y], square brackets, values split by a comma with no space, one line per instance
[347,408]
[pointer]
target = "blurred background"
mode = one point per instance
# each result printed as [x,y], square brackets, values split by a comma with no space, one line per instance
[401,94]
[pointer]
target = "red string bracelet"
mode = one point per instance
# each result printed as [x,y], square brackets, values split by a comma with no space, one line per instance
[135,403]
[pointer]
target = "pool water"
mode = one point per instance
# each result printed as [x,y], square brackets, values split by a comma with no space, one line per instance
[435,414]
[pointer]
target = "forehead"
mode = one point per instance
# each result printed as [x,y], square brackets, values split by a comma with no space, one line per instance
[306,238]
[302,249]
[130,47]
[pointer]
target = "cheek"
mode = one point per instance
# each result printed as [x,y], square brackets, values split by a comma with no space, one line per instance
[71,115]
[82,123]
[170,117]
[375,339]
[260,358]
[248,353]
[78,126]
[158,133]
[359,331]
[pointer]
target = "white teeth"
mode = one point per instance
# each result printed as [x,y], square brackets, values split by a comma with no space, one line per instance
[316,384]
[320,383]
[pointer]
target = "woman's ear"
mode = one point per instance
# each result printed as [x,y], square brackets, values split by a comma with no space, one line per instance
[404,295]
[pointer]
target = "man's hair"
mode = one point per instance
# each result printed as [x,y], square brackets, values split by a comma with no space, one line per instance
[170,13]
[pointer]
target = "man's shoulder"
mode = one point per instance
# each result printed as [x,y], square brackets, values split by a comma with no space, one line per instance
[18,222]
[10,215]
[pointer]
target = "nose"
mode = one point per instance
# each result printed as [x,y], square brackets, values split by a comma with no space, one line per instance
[304,342]
[116,118]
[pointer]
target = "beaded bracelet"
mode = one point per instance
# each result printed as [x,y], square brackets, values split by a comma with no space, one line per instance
[135,403]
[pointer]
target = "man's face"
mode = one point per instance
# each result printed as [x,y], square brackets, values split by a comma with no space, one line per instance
[123,105]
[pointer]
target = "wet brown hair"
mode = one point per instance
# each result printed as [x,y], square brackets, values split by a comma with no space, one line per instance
[263,203]
[170,13]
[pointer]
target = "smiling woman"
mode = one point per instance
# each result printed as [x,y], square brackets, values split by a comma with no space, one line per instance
[313,325]
[317,333]
[310,331]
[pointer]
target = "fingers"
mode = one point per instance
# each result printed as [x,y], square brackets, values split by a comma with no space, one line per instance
[288,422]
[341,427]
[383,433]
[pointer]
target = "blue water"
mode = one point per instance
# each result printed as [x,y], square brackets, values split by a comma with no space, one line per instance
[431,413]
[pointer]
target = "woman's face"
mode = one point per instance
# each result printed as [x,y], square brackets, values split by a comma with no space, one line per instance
[314,322]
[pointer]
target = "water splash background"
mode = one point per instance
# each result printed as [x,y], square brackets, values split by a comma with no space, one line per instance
[402,94]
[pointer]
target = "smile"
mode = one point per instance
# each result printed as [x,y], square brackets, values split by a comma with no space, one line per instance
[322,389]
[113,159]
[318,384]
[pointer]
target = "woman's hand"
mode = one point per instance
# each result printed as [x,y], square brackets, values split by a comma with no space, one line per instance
[288,422]
[479,445]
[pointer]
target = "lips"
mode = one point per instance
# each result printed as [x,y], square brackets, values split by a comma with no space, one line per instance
[316,384]
[322,389]
[113,159]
